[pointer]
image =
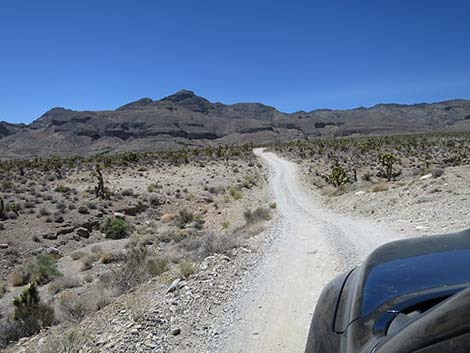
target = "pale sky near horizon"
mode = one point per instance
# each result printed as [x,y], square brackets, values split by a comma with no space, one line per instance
[293,55]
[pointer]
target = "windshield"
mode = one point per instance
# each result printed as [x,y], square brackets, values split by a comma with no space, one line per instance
[404,276]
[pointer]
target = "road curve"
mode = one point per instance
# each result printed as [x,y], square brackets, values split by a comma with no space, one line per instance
[311,247]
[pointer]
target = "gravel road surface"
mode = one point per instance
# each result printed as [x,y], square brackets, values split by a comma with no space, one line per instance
[310,247]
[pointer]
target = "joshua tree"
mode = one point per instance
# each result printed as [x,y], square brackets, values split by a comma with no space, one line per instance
[387,161]
[56,164]
[30,314]
[337,176]
[2,209]
[99,189]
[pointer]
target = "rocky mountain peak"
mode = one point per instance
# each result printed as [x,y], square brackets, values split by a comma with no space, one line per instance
[190,101]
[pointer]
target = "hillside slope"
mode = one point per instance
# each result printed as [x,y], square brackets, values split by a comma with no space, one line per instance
[185,119]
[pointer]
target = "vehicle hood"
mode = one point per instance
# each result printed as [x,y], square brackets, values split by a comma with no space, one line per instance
[412,265]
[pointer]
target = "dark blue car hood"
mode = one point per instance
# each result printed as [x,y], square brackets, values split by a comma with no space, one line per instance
[413,265]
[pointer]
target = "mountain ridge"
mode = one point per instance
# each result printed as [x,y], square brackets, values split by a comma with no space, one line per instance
[186,119]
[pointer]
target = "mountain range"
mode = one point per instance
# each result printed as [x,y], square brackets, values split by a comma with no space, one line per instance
[185,119]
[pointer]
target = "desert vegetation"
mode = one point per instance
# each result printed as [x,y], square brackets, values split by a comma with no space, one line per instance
[78,233]
[349,161]
[415,183]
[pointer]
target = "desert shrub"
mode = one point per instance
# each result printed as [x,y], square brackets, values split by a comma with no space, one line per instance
[380,187]
[14,207]
[337,176]
[88,278]
[64,282]
[208,244]
[77,255]
[138,266]
[225,224]
[30,314]
[187,268]
[128,192]
[71,340]
[108,257]
[41,270]
[155,200]
[98,298]
[18,277]
[367,176]
[12,215]
[92,205]
[184,217]
[156,266]
[136,307]
[71,307]
[198,222]
[216,190]
[61,207]
[236,194]
[437,172]
[152,188]
[44,212]
[172,235]
[62,189]
[3,288]
[115,228]
[83,209]
[96,249]
[88,261]
[258,215]
[273,205]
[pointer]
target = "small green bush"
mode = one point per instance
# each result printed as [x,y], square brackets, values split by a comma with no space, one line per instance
[30,314]
[41,270]
[115,228]
[152,188]
[236,194]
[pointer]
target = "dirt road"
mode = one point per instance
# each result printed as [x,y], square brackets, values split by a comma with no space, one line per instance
[311,247]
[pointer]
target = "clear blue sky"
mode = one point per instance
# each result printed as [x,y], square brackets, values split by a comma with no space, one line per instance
[293,55]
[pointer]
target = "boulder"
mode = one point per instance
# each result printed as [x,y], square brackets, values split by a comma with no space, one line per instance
[176,331]
[174,286]
[50,236]
[66,230]
[59,219]
[427,176]
[54,252]
[83,232]
[119,215]
[133,210]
